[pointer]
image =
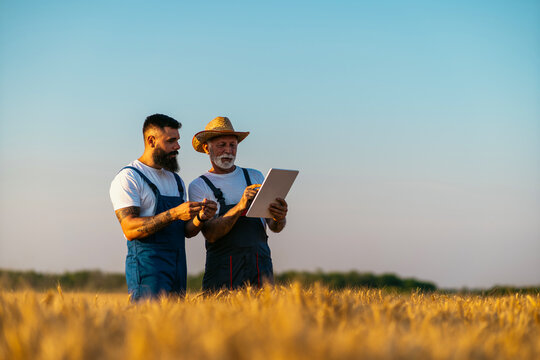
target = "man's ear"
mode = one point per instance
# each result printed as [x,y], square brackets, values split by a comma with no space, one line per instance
[205,148]
[151,141]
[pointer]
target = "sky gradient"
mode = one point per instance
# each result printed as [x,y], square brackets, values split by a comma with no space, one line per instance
[415,127]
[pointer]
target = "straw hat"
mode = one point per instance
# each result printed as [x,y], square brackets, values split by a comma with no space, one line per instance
[220,126]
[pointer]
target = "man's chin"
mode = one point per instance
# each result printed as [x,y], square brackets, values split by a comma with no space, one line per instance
[174,167]
[226,165]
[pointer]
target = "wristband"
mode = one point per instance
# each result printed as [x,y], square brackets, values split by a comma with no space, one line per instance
[199,218]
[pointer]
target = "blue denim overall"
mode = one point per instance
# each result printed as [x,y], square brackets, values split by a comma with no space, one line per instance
[157,263]
[240,257]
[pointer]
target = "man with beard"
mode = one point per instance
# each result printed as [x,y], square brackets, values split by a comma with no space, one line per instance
[148,199]
[237,251]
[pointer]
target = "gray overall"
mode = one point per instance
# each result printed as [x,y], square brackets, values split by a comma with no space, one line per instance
[240,257]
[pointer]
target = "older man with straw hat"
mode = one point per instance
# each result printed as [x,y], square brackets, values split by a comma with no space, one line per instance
[237,251]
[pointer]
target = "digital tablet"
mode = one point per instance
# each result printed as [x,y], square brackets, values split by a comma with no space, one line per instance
[277,184]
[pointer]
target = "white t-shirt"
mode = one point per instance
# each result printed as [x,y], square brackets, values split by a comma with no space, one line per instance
[128,188]
[232,186]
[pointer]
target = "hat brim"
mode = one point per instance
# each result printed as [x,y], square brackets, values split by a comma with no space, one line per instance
[200,138]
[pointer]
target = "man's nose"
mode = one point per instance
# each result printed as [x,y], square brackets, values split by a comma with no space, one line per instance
[177,146]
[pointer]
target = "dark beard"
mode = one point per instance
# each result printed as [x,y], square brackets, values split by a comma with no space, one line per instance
[163,159]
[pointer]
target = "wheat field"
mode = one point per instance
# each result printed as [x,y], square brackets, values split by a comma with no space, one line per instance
[282,322]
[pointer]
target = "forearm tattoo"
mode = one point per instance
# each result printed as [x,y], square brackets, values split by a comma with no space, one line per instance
[145,225]
[153,224]
[121,214]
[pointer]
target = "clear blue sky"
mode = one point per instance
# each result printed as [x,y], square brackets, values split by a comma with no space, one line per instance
[415,126]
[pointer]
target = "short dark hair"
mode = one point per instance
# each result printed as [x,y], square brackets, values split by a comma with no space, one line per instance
[160,121]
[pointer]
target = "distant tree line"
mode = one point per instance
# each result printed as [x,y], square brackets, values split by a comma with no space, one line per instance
[354,279]
[86,280]
[95,280]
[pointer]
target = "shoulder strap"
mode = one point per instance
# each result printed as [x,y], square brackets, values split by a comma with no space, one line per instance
[217,192]
[180,187]
[152,186]
[246,176]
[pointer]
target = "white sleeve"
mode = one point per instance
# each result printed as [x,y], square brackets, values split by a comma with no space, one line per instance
[256,176]
[184,190]
[197,191]
[125,190]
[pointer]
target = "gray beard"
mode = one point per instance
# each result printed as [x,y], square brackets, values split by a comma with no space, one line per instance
[218,160]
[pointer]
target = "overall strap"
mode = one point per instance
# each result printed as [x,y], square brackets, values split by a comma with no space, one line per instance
[152,186]
[246,175]
[180,187]
[217,192]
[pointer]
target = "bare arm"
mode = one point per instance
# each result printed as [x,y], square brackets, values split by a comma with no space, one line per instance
[220,226]
[276,226]
[137,227]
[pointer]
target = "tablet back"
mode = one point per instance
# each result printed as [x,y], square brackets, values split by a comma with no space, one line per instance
[277,183]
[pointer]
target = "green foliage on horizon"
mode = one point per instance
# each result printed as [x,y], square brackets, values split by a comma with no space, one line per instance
[95,280]
[354,279]
[85,280]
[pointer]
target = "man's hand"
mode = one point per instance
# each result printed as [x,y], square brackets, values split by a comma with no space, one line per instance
[208,210]
[248,196]
[186,211]
[278,210]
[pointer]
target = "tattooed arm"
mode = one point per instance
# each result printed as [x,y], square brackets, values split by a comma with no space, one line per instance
[136,227]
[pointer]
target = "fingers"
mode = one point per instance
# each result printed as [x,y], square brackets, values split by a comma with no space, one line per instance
[208,209]
[207,214]
[194,210]
[210,205]
[278,210]
[187,210]
[277,216]
[251,191]
[280,205]
[203,204]
[195,205]
[250,194]
[282,202]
